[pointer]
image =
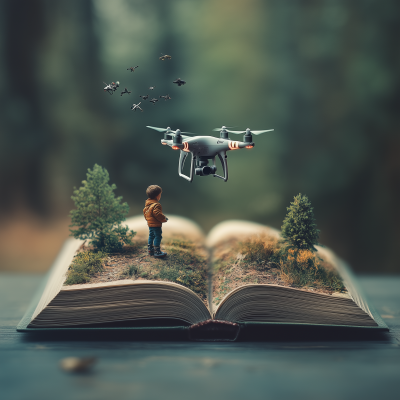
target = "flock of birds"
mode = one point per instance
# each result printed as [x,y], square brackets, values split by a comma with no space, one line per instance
[113,86]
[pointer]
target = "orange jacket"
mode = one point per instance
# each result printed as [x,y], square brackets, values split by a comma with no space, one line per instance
[153,213]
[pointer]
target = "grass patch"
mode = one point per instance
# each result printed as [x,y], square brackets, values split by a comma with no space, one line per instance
[185,266]
[297,267]
[259,251]
[193,279]
[130,270]
[304,268]
[84,265]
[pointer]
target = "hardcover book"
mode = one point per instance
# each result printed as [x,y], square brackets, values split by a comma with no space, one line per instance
[214,287]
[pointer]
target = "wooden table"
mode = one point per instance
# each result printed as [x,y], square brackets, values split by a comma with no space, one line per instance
[29,367]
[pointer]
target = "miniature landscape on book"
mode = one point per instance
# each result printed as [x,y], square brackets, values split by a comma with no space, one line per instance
[241,272]
[234,263]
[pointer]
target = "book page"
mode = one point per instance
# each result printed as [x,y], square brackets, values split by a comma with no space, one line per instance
[246,253]
[186,262]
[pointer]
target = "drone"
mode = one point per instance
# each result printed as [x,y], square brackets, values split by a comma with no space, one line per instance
[132,69]
[164,57]
[166,97]
[151,87]
[145,97]
[126,91]
[153,101]
[135,107]
[179,82]
[112,87]
[205,148]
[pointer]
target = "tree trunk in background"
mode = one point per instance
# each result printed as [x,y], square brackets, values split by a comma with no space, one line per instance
[49,108]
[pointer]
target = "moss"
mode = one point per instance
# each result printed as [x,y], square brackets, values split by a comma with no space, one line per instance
[259,251]
[304,268]
[84,265]
[130,270]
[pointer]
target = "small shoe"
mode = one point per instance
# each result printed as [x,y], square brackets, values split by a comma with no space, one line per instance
[158,253]
[150,249]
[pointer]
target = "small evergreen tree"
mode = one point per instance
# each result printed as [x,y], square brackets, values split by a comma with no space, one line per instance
[99,213]
[299,229]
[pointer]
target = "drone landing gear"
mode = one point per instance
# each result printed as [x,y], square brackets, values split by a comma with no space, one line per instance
[199,165]
[223,158]
[182,159]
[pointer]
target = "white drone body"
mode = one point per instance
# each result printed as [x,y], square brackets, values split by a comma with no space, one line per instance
[205,148]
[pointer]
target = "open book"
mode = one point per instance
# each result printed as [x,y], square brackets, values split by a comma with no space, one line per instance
[211,287]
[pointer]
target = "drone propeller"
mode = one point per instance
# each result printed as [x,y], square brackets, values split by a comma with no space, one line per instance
[168,130]
[249,131]
[220,129]
[160,129]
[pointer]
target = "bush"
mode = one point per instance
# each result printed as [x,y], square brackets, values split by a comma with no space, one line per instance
[304,268]
[84,265]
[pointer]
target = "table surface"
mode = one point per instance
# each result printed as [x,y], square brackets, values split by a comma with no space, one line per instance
[368,369]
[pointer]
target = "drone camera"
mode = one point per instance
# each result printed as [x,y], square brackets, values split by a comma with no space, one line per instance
[204,171]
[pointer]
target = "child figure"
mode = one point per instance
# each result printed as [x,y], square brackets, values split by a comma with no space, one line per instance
[155,218]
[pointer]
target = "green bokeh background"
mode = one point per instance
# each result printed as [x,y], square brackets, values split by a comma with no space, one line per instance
[323,73]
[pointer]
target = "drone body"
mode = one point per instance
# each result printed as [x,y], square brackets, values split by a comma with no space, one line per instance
[112,87]
[145,97]
[154,101]
[126,91]
[179,81]
[164,57]
[205,148]
[132,69]
[166,97]
[135,107]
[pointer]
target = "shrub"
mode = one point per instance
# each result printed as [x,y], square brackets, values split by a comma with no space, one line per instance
[305,268]
[84,265]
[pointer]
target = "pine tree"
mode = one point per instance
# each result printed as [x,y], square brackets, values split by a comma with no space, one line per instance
[98,214]
[299,229]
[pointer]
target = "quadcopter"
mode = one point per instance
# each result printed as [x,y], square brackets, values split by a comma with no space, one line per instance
[132,69]
[205,148]
[166,97]
[151,87]
[153,101]
[145,97]
[112,87]
[135,107]
[126,91]
[179,82]
[164,57]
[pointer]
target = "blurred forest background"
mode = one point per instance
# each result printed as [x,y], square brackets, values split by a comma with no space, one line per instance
[323,73]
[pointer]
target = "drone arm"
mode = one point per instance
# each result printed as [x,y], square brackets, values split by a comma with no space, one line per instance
[182,158]
[223,158]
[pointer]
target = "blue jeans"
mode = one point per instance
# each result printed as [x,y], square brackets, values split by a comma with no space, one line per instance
[155,233]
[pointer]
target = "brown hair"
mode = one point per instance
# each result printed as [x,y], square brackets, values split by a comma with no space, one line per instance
[153,191]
